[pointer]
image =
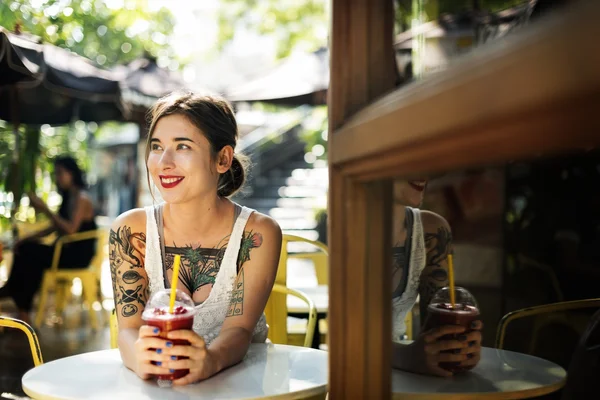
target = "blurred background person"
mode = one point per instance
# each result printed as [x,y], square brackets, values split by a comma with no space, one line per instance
[31,258]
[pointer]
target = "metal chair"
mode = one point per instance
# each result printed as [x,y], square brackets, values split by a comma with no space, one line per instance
[114,330]
[584,368]
[312,313]
[34,344]
[545,315]
[276,309]
[61,279]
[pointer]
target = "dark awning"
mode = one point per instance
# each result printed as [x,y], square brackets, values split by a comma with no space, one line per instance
[54,85]
[142,82]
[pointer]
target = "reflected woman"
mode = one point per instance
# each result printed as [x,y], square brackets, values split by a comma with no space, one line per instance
[422,241]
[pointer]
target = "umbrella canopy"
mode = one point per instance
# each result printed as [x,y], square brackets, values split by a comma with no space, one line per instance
[142,82]
[298,79]
[21,61]
[54,86]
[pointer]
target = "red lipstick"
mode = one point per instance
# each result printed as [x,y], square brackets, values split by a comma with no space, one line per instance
[169,181]
[420,186]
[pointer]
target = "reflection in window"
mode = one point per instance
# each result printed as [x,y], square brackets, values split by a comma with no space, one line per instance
[429,34]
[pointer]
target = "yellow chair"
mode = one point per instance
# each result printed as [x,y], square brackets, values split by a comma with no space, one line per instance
[319,258]
[408,321]
[114,330]
[545,314]
[276,309]
[61,279]
[277,288]
[34,344]
[312,313]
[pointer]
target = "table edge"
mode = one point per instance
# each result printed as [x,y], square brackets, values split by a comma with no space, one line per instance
[301,394]
[516,394]
[36,396]
[309,392]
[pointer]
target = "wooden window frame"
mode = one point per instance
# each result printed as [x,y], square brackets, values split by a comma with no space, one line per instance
[534,94]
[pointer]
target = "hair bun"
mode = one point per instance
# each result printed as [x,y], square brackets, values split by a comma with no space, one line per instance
[233,180]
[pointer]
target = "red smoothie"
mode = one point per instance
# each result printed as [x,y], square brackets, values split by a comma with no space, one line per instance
[440,314]
[182,318]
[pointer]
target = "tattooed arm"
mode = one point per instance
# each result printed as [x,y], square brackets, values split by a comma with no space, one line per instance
[422,356]
[257,265]
[438,243]
[127,245]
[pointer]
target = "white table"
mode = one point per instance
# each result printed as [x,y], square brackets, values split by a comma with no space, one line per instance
[268,370]
[499,375]
[318,294]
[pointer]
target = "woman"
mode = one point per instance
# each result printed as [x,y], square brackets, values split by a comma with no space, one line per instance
[31,258]
[191,159]
[422,242]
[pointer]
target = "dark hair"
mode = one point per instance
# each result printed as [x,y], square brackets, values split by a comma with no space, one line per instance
[214,117]
[69,164]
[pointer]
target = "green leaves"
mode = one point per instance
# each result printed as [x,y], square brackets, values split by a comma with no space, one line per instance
[295,23]
[92,29]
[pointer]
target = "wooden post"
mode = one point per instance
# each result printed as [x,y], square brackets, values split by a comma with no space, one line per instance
[362,69]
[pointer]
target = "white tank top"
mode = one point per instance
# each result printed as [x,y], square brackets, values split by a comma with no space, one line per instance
[211,314]
[402,304]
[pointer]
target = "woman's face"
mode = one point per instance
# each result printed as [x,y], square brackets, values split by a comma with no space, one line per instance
[63,177]
[180,162]
[410,193]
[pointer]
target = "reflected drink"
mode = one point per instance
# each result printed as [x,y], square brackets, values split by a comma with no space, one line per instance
[440,314]
[182,318]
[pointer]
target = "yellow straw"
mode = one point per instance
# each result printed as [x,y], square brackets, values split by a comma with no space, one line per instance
[174,281]
[451,278]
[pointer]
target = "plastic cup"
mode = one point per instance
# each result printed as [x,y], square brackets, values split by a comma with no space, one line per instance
[157,314]
[440,312]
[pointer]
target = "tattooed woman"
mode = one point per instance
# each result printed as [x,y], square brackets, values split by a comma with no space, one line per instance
[422,243]
[75,214]
[229,253]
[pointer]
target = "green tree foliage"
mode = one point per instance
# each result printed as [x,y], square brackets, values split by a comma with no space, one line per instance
[92,29]
[293,22]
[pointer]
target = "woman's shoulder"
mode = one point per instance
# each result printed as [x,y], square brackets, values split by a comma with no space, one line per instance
[433,222]
[263,224]
[134,219]
[84,197]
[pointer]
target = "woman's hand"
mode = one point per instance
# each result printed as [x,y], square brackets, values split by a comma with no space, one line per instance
[37,203]
[473,349]
[431,350]
[200,361]
[148,348]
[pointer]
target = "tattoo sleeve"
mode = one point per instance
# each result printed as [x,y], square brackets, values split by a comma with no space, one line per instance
[250,240]
[129,280]
[435,273]
[236,307]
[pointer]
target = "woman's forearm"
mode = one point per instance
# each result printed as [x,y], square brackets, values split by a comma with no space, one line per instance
[126,340]
[230,347]
[63,225]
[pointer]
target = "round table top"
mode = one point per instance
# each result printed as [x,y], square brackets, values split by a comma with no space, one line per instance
[500,374]
[267,371]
